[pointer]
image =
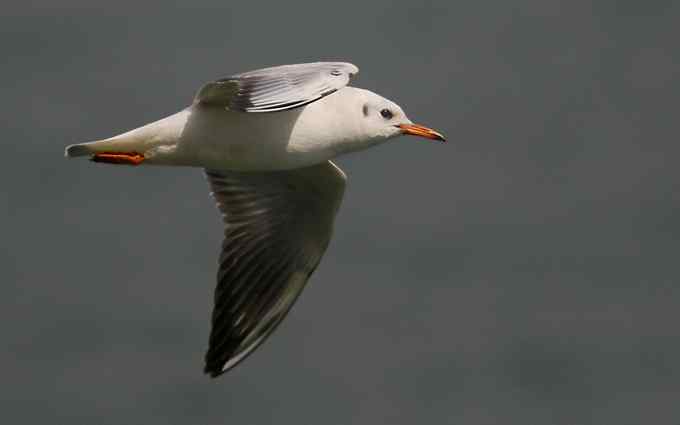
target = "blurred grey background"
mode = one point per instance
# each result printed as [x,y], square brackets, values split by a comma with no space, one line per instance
[525,273]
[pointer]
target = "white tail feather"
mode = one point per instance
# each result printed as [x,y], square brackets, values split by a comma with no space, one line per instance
[81,149]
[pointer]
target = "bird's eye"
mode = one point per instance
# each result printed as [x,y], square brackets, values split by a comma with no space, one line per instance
[386,113]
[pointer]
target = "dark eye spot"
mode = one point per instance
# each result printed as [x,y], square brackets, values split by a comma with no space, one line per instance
[386,113]
[335,72]
[365,110]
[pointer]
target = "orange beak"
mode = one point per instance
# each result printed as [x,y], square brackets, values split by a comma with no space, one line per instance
[422,131]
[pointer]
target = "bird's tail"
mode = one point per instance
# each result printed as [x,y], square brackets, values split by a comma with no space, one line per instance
[80,149]
[127,148]
[132,146]
[113,151]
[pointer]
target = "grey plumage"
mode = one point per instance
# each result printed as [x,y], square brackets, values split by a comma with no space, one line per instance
[277,227]
[277,88]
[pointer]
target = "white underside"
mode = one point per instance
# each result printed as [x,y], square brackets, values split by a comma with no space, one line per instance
[215,138]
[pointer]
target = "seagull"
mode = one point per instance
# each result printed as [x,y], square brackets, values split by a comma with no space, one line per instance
[266,139]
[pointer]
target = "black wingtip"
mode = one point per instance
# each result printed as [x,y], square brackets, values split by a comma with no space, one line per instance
[213,369]
[212,372]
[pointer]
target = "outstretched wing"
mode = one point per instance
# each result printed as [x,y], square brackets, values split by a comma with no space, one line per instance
[277,88]
[278,225]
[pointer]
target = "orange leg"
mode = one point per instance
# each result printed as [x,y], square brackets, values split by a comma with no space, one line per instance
[128,158]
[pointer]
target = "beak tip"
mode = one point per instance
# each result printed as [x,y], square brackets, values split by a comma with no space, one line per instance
[422,131]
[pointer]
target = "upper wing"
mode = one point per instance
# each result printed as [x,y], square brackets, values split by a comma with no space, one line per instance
[277,88]
[278,225]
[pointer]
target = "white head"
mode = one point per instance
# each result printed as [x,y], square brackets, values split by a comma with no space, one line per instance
[372,119]
[352,119]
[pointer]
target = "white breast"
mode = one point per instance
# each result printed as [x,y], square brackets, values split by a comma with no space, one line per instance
[215,138]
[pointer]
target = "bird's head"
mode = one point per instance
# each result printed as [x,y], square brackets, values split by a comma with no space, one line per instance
[354,119]
[381,118]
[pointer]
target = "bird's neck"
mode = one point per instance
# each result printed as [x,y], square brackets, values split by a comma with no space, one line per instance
[330,126]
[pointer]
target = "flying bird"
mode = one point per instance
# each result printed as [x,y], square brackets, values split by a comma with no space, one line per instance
[265,139]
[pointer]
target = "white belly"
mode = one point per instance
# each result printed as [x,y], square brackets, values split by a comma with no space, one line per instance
[218,139]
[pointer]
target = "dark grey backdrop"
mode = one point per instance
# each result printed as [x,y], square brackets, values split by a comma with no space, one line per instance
[525,273]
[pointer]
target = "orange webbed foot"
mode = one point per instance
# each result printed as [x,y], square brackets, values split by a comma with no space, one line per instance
[127,158]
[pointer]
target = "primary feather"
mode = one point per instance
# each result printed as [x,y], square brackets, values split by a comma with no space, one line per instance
[278,88]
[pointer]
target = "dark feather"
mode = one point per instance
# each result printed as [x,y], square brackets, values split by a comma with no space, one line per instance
[277,227]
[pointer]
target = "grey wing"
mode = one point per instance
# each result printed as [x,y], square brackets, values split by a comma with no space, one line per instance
[277,88]
[277,227]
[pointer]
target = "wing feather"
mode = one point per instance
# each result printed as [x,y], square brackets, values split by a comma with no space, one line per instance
[278,88]
[277,227]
